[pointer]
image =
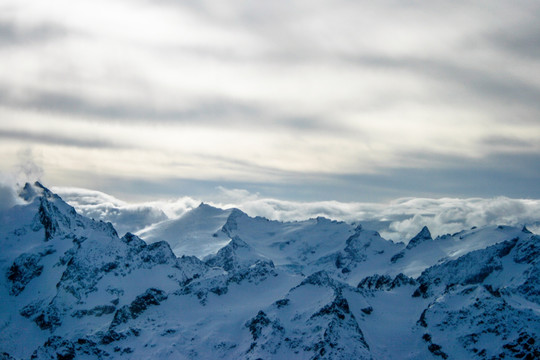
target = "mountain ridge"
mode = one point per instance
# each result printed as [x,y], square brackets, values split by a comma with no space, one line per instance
[313,289]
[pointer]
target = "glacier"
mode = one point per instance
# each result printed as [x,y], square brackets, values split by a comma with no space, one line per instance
[219,284]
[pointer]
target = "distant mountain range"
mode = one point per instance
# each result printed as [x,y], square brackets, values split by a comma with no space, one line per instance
[219,284]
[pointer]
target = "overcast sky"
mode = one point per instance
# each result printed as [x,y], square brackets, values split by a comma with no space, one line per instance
[301,100]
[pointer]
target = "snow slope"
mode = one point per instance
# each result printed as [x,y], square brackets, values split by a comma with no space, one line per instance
[227,286]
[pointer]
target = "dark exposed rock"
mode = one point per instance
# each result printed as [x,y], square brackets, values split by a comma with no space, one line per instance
[472,268]
[218,290]
[150,297]
[524,347]
[367,310]
[98,311]
[256,273]
[257,323]
[422,321]
[31,309]
[111,336]
[49,319]
[339,308]
[320,278]
[158,253]
[422,236]
[525,230]
[375,282]
[231,225]
[436,350]
[133,240]
[50,225]
[422,291]
[6,356]
[528,251]
[25,268]
[402,280]
[396,257]
[355,247]
[55,348]
[281,303]
[530,288]
[226,257]
[341,323]
[385,282]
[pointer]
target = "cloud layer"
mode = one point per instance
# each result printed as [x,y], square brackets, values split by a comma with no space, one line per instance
[324,93]
[398,220]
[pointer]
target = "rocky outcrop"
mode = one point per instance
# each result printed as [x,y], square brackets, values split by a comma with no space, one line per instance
[151,297]
[25,268]
[385,282]
[423,236]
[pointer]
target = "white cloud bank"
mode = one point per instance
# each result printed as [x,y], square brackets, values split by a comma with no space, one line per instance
[398,220]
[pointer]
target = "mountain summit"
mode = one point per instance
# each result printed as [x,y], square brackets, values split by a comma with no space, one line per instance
[422,236]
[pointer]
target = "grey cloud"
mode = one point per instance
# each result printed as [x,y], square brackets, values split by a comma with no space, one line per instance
[212,112]
[514,175]
[508,142]
[64,103]
[12,33]
[70,104]
[56,139]
[522,40]
[493,85]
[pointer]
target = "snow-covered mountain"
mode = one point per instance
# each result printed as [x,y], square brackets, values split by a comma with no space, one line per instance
[218,284]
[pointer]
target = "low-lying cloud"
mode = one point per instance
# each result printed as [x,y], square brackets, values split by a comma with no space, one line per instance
[398,220]
[126,217]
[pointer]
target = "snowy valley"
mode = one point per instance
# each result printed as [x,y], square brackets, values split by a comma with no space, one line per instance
[219,284]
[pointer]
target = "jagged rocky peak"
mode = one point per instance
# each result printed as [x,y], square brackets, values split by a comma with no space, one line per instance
[321,278]
[236,255]
[132,239]
[237,243]
[232,222]
[205,207]
[28,192]
[422,236]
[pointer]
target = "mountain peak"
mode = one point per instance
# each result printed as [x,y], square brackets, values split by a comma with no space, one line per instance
[204,205]
[423,235]
[30,191]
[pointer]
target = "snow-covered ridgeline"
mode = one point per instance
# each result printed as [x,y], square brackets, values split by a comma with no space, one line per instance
[72,288]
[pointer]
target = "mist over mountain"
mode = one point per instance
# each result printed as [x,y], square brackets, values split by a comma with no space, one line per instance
[226,285]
